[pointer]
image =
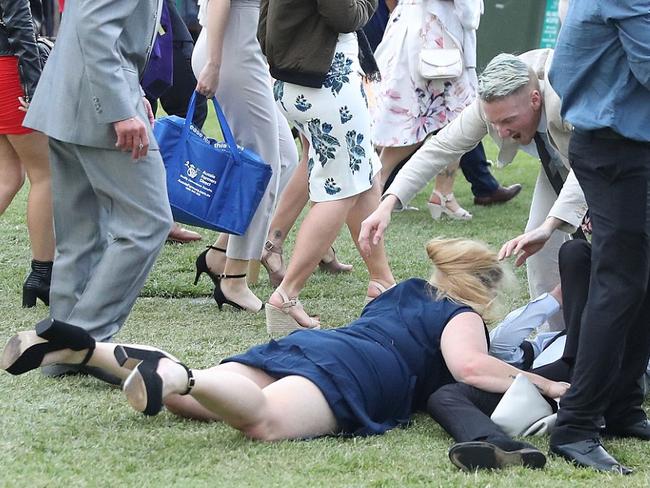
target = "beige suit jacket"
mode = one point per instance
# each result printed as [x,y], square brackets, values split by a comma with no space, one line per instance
[471,126]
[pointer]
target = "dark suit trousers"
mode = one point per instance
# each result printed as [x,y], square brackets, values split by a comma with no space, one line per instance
[176,99]
[476,170]
[614,341]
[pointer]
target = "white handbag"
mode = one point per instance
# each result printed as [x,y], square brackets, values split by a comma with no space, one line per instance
[440,64]
[521,408]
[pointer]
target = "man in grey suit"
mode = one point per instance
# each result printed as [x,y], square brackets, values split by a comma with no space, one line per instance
[111,213]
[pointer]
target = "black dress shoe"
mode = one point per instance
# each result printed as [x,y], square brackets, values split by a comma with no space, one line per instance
[590,453]
[639,430]
[473,455]
[500,195]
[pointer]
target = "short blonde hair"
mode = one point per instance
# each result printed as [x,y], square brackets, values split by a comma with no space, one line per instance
[467,272]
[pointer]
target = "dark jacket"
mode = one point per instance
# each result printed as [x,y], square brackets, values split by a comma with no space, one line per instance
[17,38]
[299,37]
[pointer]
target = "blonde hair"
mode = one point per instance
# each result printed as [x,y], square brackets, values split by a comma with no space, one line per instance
[467,272]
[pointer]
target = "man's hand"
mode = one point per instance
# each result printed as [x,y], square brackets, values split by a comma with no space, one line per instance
[525,245]
[149,110]
[557,389]
[374,226]
[132,136]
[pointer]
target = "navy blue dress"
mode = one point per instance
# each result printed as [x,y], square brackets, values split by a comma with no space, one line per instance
[375,372]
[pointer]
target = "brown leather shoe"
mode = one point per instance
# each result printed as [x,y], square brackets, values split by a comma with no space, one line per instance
[500,195]
[182,236]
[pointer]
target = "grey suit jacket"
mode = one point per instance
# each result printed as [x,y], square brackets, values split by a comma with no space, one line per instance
[92,77]
[468,129]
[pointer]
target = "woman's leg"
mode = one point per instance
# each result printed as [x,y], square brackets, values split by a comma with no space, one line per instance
[444,188]
[376,262]
[215,259]
[290,408]
[390,157]
[236,289]
[316,234]
[293,199]
[32,149]
[12,172]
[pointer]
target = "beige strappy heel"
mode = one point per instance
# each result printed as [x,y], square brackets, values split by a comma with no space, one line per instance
[278,320]
[437,210]
[381,288]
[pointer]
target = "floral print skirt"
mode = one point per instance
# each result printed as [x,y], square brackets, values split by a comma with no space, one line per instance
[408,106]
[336,122]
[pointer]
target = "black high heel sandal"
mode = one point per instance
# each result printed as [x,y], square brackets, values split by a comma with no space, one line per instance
[37,284]
[124,353]
[221,299]
[150,380]
[202,265]
[23,353]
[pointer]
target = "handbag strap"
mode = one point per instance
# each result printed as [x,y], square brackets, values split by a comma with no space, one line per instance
[223,123]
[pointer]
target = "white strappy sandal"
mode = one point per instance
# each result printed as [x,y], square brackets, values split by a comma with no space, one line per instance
[278,320]
[438,209]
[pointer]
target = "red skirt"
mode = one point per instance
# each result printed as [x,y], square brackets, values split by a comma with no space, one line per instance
[11,118]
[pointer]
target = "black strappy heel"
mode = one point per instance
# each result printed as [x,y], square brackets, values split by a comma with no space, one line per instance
[202,265]
[151,380]
[221,299]
[24,353]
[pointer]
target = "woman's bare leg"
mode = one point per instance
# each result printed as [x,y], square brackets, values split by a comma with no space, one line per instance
[316,234]
[32,149]
[216,260]
[376,262]
[390,157]
[445,185]
[290,408]
[13,175]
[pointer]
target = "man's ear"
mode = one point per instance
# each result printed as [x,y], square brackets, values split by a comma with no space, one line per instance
[535,99]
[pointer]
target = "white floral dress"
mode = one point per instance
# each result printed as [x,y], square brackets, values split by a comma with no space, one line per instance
[336,122]
[409,107]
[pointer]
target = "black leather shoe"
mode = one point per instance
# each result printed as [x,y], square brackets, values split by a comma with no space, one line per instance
[500,195]
[590,453]
[470,456]
[639,430]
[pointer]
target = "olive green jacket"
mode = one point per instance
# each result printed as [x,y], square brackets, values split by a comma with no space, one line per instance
[299,37]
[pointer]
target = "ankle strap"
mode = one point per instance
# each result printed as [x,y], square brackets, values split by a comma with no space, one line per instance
[270,247]
[190,380]
[220,249]
[88,355]
[225,276]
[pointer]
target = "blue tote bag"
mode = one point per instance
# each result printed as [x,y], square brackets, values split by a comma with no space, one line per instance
[211,184]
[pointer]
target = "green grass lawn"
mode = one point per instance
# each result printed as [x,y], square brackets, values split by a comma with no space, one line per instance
[76,431]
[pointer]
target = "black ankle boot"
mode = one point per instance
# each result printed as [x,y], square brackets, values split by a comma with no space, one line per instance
[37,284]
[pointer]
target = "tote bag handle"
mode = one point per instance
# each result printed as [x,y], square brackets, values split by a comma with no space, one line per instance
[223,123]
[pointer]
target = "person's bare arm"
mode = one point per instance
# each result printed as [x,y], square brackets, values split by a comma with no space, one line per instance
[464,348]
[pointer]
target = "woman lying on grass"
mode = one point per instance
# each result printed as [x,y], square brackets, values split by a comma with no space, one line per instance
[361,379]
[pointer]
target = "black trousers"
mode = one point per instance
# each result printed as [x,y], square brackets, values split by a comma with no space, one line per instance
[464,411]
[476,170]
[614,340]
[176,99]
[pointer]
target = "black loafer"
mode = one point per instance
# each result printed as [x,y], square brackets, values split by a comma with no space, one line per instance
[590,453]
[470,456]
[638,430]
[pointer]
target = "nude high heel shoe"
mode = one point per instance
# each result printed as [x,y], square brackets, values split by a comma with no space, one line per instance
[279,322]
